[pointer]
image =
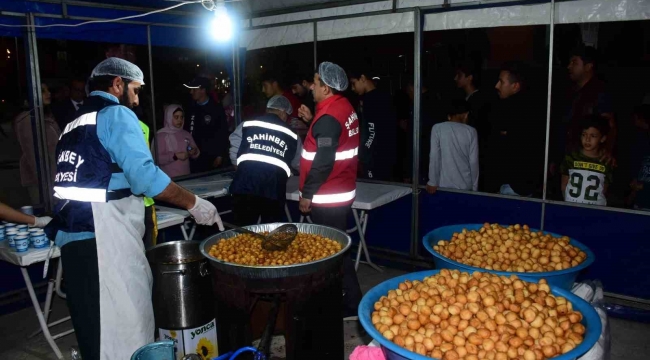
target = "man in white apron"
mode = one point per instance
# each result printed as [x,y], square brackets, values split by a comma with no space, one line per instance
[103,170]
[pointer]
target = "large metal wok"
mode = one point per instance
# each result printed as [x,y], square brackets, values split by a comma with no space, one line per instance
[275,272]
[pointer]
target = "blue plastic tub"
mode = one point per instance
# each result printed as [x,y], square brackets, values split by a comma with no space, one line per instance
[162,350]
[563,279]
[591,320]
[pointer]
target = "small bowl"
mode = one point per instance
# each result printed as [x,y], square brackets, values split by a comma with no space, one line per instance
[563,279]
[590,320]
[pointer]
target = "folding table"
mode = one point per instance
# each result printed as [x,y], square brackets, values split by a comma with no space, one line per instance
[369,196]
[23,260]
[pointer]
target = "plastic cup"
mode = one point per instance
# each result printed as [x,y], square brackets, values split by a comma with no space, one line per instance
[39,240]
[10,235]
[2,232]
[29,210]
[21,243]
[22,227]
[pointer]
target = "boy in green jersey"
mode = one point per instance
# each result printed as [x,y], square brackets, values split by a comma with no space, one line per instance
[585,178]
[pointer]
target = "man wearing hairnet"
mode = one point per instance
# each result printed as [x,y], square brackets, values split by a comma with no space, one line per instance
[328,167]
[103,171]
[266,150]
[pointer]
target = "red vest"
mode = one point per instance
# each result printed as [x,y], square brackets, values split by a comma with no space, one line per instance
[340,187]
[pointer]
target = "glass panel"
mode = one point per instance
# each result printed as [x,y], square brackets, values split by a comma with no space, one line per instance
[18,161]
[485,93]
[380,69]
[202,144]
[600,143]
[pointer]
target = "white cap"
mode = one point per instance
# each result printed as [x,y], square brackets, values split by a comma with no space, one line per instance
[333,76]
[118,67]
[281,103]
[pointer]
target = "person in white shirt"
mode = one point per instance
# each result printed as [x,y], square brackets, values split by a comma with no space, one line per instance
[453,160]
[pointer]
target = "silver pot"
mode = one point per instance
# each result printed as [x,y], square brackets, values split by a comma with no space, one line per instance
[182,289]
[278,272]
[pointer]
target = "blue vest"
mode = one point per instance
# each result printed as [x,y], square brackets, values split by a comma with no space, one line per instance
[83,171]
[264,158]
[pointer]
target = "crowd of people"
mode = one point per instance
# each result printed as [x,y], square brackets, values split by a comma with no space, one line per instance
[488,139]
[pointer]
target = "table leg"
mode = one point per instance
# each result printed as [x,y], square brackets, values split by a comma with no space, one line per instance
[286,212]
[362,240]
[184,232]
[59,275]
[192,231]
[39,313]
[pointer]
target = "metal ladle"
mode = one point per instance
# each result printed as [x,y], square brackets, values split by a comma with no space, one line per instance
[277,240]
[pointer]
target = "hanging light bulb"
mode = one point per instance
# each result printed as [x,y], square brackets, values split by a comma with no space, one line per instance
[221,26]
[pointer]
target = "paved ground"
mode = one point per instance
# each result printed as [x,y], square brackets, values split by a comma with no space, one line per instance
[629,339]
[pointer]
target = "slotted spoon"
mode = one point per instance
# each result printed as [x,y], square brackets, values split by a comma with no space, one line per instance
[277,240]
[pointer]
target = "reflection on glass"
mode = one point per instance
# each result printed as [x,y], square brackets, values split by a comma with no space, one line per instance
[176,146]
[599,144]
[198,83]
[22,126]
[498,76]
[379,70]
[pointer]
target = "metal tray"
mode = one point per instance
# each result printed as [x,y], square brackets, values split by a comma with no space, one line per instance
[274,272]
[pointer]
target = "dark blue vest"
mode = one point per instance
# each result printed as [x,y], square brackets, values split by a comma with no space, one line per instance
[83,171]
[264,158]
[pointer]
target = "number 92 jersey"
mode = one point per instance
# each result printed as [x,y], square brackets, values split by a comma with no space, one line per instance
[587,179]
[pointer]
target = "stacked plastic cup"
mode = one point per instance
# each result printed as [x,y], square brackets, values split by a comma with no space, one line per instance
[22,227]
[38,239]
[2,233]
[21,242]
[10,235]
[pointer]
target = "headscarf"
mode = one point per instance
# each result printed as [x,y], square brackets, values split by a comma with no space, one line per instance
[170,130]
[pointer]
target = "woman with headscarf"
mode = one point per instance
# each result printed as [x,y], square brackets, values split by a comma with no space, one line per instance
[175,145]
[22,125]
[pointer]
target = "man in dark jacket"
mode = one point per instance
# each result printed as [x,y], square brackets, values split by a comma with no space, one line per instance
[263,165]
[378,143]
[208,126]
[65,110]
[516,147]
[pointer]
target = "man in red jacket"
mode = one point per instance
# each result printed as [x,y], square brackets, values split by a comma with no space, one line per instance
[328,164]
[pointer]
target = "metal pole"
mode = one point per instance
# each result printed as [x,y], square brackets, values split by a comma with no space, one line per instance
[417,89]
[315,46]
[236,83]
[38,116]
[153,98]
[20,88]
[548,109]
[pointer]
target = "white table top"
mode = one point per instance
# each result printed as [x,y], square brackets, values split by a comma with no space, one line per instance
[369,195]
[209,186]
[166,216]
[31,256]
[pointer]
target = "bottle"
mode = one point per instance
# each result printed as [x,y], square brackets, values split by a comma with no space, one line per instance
[75,354]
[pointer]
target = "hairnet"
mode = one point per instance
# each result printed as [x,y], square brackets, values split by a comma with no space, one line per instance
[281,103]
[333,76]
[118,67]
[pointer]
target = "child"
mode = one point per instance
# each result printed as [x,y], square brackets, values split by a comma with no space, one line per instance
[453,160]
[585,178]
[640,196]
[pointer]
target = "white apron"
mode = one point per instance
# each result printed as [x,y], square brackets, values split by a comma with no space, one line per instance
[125,280]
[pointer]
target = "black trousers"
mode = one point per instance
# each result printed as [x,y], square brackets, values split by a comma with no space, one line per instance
[248,208]
[337,217]
[82,294]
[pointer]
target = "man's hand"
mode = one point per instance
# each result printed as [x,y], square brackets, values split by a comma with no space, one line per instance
[636,185]
[182,155]
[305,114]
[305,205]
[205,213]
[432,189]
[217,162]
[41,222]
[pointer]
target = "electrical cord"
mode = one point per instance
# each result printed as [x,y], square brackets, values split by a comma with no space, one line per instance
[114,20]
